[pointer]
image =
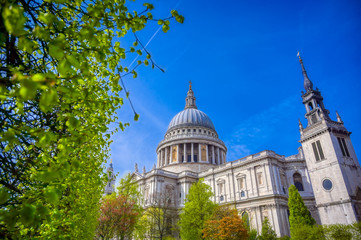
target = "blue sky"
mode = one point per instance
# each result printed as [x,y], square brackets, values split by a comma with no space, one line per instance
[241,58]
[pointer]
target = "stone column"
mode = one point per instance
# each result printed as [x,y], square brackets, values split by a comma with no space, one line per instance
[162,157]
[177,153]
[166,156]
[185,152]
[255,182]
[199,153]
[207,153]
[192,152]
[213,157]
[218,156]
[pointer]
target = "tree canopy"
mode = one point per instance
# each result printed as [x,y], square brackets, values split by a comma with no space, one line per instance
[198,208]
[225,224]
[120,211]
[299,214]
[61,83]
[267,232]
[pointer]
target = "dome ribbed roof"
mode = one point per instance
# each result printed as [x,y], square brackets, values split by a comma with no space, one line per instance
[191,117]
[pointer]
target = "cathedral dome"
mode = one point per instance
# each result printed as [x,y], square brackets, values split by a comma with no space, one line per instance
[191,117]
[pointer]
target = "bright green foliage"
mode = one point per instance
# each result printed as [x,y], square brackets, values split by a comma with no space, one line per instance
[198,208]
[128,187]
[60,87]
[252,234]
[267,231]
[308,232]
[341,232]
[299,214]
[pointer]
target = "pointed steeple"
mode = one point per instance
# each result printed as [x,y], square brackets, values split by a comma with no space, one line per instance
[190,99]
[300,125]
[307,82]
[338,118]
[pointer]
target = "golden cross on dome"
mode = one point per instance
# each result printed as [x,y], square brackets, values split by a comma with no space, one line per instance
[190,85]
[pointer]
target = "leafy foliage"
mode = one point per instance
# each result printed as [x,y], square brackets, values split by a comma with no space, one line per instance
[118,216]
[120,212]
[225,224]
[299,214]
[198,208]
[61,78]
[307,232]
[267,231]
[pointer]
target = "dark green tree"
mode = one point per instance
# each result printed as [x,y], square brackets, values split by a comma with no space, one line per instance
[198,208]
[267,231]
[61,84]
[299,214]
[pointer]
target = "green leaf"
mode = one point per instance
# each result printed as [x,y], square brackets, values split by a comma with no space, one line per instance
[47,18]
[146,63]
[148,5]
[4,195]
[139,52]
[121,126]
[14,19]
[165,28]
[179,19]
[135,74]
[51,194]
[73,61]
[27,214]
[39,77]
[56,52]
[160,22]
[136,117]
[47,99]
[28,89]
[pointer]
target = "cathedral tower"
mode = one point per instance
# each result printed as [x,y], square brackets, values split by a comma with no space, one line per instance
[109,188]
[331,160]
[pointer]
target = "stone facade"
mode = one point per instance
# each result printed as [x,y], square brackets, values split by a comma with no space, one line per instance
[325,170]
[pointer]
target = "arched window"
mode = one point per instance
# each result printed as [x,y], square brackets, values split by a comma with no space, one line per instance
[243,194]
[310,106]
[297,179]
[245,218]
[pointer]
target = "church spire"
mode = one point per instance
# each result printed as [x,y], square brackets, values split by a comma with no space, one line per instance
[307,82]
[190,99]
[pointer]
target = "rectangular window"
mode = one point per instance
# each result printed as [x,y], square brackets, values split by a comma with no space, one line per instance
[220,188]
[320,150]
[343,146]
[259,178]
[317,150]
[241,183]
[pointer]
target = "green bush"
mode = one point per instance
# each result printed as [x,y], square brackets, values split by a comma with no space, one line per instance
[284,238]
[338,232]
[252,234]
[307,232]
